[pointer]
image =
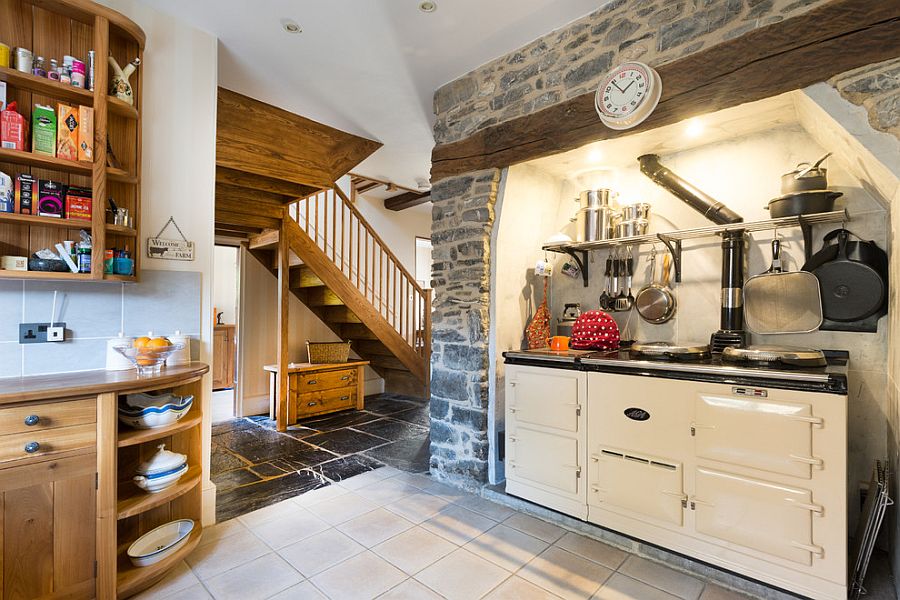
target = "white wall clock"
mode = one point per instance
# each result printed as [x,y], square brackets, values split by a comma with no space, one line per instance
[627,95]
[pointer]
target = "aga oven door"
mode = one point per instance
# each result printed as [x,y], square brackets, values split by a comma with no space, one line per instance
[544,458]
[771,518]
[769,433]
[637,485]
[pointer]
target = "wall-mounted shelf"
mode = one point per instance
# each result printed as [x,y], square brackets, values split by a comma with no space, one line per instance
[672,239]
[46,87]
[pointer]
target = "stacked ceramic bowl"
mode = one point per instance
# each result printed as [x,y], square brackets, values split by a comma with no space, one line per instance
[163,470]
[149,411]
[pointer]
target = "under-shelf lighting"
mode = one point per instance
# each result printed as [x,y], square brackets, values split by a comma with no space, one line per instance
[694,127]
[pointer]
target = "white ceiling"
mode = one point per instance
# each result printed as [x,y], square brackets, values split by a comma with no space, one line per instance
[369,67]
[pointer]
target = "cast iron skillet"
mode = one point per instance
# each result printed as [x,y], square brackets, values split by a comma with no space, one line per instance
[853,277]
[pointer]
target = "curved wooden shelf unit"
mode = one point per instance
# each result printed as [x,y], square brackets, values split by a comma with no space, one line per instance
[121,230]
[131,580]
[46,87]
[121,108]
[131,437]
[137,501]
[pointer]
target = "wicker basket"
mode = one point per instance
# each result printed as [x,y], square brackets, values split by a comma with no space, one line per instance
[328,352]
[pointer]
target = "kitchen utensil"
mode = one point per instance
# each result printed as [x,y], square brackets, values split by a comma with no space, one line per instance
[603,302]
[571,312]
[853,276]
[805,177]
[785,355]
[777,302]
[595,198]
[621,297]
[626,301]
[803,203]
[614,287]
[159,543]
[595,330]
[655,302]
[558,343]
[636,212]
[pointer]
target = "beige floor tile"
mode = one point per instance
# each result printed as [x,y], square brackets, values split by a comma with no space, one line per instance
[414,549]
[374,527]
[622,587]
[604,554]
[462,576]
[212,559]
[447,492]
[180,578]
[221,531]
[535,527]
[301,591]
[319,552]
[662,577]
[320,495]
[418,507]
[256,580]
[267,513]
[458,525]
[386,491]
[286,530]
[419,480]
[343,508]
[565,574]
[489,509]
[195,592]
[362,577]
[516,588]
[506,547]
[714,592]
[410,590]
[369,477]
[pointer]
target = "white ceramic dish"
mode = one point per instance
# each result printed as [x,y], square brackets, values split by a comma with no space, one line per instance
[159,543]
[151,418]
[153,485]
[145,402]
[161,463]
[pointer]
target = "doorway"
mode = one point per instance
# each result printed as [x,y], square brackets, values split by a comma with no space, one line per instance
[423,262]
[226,286]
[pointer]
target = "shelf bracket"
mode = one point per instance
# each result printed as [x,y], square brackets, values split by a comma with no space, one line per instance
[581,259]
[674,246]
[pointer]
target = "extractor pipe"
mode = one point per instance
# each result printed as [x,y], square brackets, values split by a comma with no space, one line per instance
[697,199]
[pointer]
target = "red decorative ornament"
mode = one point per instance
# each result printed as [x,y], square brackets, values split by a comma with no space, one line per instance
[595,330]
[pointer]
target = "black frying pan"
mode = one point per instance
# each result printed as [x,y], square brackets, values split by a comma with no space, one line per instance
[853,277]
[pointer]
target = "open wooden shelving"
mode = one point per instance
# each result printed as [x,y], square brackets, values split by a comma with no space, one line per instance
[121,230]
[131,437]
[44,221]
[135,501]
[47,87]
[123,109]
[131,580]
[45,275]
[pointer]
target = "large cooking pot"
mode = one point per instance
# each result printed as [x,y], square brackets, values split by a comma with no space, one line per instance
[595,198]
[803,203]
[593,224]
[805,178]
[853,277]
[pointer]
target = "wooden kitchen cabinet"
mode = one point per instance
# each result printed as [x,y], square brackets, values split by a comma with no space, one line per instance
[223,357]
[545,437]
[318,389]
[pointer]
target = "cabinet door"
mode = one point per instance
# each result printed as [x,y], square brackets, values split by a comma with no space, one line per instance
[544,458]
[759,433]
[545,397]
[769,517]
[220,358]
[637,485]
[48,528]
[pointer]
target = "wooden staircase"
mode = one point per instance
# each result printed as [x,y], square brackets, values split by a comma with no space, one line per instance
[351,280]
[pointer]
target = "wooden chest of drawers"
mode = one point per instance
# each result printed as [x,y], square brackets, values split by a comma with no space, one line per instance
[319,389]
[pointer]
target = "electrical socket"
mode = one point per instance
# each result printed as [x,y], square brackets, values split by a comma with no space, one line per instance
[37,333]
[56,334]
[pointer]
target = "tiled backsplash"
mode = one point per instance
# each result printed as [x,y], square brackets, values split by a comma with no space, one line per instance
[163,302]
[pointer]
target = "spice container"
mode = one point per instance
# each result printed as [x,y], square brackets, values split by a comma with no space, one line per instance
[37,67]
[24,60]
[4,55]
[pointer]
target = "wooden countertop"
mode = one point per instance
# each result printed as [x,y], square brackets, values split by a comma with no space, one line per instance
[303,367]
[91,383]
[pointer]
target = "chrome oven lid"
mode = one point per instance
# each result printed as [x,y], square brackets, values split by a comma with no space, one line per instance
[785,355]
[669,350]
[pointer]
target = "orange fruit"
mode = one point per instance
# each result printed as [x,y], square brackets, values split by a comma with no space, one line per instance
[141,342]
[159,342]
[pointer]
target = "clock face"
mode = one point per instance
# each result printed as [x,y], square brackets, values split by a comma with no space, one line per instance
[624,90]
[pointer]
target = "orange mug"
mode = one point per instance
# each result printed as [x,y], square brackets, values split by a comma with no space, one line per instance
[558,343]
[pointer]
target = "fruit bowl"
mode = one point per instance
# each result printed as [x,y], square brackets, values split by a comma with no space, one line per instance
[160,415]
[147,359]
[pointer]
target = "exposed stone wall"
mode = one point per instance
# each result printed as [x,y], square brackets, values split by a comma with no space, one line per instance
[463,218]
[877,89]
[569,61]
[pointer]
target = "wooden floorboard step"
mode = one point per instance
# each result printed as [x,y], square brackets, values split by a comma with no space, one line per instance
[340,314]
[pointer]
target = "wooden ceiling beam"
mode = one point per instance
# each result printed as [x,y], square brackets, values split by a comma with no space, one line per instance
[831,38]
[368,186]
[252,181]
[251,199]
[407,200]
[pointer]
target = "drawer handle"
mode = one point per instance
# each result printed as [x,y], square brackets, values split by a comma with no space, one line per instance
[345,378]
[345,397]
[312,382]
[32,420]
[311,403]
[32,447]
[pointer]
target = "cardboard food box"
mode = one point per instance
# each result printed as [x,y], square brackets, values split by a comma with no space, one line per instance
[14,263]
[78,203]
[2,95]
[12,129]
[43,130]
[67,132]
[25,194]
[51,198]
[7,194]
[86,134]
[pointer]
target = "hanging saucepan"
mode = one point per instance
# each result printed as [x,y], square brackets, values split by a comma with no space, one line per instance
[853,277]
[655,302]
[805,178]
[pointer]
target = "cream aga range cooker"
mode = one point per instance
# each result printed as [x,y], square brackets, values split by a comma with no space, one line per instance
[740,465]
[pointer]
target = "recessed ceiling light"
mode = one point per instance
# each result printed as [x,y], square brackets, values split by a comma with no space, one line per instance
[694,127]
[291,26]
[428,6]
[594,156]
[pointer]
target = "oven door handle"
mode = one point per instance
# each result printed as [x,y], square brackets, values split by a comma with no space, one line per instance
[814,508]
[815,461]
[696,426]
[817,551]
[814,421]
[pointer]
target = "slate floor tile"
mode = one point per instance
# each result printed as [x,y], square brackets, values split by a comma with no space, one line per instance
[412,454]
[222,460]
[346,467]
[391,429]
[416,416]
[345,441]
[381,405]
[269,469]
[337,420]
[234,478]
[259,445]
[238,501]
